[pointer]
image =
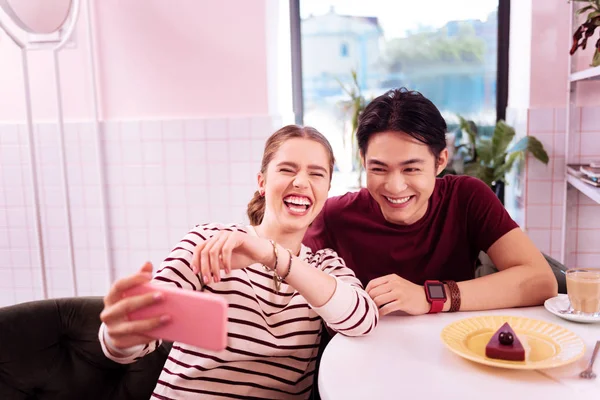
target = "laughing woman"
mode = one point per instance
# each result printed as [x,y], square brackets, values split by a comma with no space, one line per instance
[279,291]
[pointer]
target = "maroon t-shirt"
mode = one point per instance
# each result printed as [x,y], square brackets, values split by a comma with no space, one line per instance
[463,218]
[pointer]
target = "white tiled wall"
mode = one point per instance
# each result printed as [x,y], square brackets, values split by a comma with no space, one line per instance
[162,177]
[546,185]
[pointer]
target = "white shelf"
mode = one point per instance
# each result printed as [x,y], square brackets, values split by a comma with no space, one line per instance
[590,191]
[590,73]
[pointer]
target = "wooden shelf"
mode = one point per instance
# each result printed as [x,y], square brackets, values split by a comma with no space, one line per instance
[590,191]
[590,73]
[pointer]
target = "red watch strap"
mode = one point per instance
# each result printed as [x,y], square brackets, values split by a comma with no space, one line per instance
[436,306]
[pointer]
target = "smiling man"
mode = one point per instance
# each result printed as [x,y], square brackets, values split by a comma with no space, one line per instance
[413,239]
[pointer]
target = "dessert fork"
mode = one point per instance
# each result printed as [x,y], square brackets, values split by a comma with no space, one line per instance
[589,373]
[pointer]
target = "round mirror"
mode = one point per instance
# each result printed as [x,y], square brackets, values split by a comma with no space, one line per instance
[37,16]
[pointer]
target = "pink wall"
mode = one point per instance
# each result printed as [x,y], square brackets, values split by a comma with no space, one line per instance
[198,59]
[549,51]
[550,44]
[545,185]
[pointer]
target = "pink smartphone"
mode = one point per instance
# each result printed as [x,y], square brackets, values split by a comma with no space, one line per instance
[198,319]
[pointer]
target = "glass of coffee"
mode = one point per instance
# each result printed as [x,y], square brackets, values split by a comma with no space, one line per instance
[583,289]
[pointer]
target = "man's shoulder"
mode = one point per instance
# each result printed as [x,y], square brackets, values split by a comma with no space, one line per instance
[462,186]
[347,201]
[460,180]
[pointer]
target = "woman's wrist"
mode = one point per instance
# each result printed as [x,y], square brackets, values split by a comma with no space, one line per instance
[267,257]
[284,263]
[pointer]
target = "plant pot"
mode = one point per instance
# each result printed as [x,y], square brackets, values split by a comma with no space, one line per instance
[498,188]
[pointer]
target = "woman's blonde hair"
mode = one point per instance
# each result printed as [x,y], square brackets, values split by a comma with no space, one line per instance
[256,207]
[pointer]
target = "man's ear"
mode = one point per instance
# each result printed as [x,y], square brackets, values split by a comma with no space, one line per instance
[442,161]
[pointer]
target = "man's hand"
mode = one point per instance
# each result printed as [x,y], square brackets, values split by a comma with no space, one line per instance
[392,293]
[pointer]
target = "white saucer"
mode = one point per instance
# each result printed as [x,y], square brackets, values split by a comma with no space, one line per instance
[561,302]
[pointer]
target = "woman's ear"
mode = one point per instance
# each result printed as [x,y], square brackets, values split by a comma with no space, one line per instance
[261,182]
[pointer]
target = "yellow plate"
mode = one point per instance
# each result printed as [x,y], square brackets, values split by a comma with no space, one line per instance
[546,345]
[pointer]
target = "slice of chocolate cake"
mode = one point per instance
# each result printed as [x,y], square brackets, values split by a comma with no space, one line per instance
[505,345]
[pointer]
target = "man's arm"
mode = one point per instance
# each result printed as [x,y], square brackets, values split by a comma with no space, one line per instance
[524,277]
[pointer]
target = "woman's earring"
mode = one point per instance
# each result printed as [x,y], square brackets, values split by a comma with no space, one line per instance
[262,193]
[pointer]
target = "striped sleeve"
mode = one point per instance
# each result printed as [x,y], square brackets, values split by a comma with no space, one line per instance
[350,311]
[174,271]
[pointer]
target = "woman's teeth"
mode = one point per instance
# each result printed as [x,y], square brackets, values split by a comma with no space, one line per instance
[401,200]
[297,203]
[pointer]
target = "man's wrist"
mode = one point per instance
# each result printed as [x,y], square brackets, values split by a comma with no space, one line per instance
[427,303]
[448,302]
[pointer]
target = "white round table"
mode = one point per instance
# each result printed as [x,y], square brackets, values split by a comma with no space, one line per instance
[405,356]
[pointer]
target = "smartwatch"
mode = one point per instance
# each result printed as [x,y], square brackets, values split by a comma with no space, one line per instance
[436,295]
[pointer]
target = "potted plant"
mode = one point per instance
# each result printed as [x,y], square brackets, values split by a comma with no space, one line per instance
[353,107]
[586,29]
[491,158]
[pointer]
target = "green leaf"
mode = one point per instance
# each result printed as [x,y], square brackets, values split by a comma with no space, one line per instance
[480,172]
[485,151]
[501,171]
[532,145]
[488,176]
[503,135]
[521,145]
[470,129]
[473,169]
[584,9]
[596,58]
[536,148]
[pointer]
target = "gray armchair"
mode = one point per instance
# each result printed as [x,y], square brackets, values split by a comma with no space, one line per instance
[487,267]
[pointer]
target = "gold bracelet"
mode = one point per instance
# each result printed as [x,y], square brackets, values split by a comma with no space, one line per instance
[289,266]
[276,278]
[274,254]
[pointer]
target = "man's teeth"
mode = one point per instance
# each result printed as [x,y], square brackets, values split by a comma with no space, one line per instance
[398,201]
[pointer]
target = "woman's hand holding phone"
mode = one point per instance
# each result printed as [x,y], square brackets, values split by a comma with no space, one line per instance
[123,332]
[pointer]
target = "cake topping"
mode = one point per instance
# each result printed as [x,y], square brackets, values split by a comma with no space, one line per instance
[506,338]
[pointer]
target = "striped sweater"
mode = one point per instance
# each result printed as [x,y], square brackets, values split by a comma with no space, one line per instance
[273,337]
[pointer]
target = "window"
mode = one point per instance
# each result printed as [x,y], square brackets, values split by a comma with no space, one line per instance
[446,49]
[344,50]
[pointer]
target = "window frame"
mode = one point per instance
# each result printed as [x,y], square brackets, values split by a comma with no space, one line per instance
[501,74]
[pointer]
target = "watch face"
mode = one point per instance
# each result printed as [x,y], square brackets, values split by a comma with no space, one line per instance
[436,291]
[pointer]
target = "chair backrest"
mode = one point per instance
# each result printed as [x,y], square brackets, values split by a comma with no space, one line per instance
[49,349]
[558,269]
